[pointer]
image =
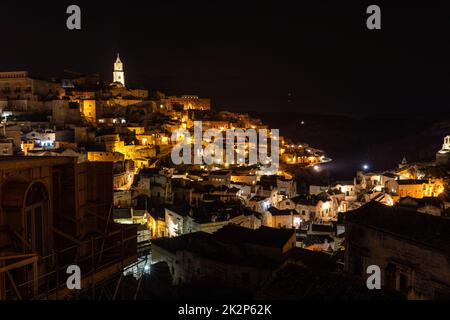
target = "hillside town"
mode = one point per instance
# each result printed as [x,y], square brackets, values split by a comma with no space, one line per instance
[87,178]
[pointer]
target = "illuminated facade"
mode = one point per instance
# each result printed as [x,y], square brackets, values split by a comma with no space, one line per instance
[89,111]
[415,188]
[190,102]
[119,74]
[443,155]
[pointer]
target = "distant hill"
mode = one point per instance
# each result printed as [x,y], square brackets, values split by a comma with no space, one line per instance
[381,140]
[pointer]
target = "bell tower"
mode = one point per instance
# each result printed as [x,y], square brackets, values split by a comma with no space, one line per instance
[443,155]
[446,144]
[118,74]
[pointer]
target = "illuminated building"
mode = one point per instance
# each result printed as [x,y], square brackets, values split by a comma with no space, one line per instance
[276,218]
[42,139]
[89,111]
[107,156]
[374,181]
[109,141]
[302,155]
[123,175]
[219,178]
[156,223]
[146,139]
[117,150]
[25,146]
[119,74]
[443,155]
[415,188]
[346,187]
[411,249]
[311,207]
[244,178]
[259,203]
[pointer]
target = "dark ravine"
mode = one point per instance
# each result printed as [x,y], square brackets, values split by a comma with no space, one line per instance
[380,140]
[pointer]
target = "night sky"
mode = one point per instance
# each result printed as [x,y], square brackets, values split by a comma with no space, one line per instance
[263,56]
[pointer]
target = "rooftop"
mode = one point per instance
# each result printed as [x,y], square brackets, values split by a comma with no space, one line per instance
[418,203]
[310,200]
[220,173]
[411,182]
[212,247]
[296,281]
[277,212]
[404,223]
[264,236]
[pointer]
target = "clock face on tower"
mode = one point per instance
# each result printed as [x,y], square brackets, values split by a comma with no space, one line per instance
[118,74]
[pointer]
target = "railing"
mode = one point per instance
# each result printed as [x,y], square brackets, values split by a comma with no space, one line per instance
[51,281]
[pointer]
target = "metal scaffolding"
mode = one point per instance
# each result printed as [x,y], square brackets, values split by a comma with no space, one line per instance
[31,276]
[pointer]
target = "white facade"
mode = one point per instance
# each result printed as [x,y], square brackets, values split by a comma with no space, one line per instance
[443,155]
[176,224]
[43,139]
[321,210]
[446,144]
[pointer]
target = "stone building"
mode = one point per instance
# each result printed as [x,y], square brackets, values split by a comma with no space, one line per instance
[19,85]
[89,111]
[311,207]
[276,218]
[415,188]
[411,248]
[53,213]
[190,102]
[236,256]
[118,73]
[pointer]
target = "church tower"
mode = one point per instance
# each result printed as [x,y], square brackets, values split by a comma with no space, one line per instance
[118,74]
[443,155]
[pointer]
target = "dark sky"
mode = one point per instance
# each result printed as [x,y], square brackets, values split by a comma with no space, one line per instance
[246,56]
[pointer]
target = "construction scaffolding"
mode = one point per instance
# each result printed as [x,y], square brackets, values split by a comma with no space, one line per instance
[29,276]
[58,213]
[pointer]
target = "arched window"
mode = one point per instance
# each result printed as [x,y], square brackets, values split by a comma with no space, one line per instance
[36,213]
